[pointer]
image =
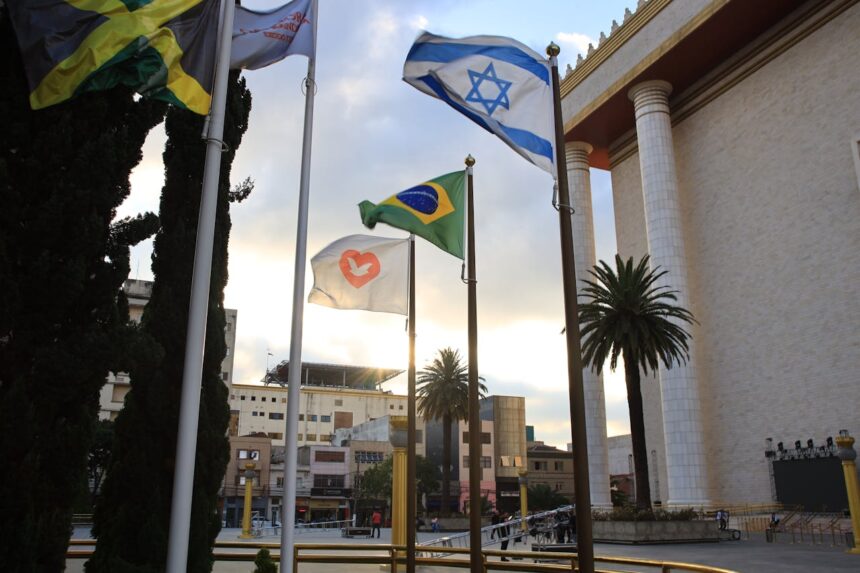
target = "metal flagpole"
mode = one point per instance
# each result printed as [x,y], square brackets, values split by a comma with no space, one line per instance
[294,377]
[585,544]
[198,308]
[411,519]
[475,544]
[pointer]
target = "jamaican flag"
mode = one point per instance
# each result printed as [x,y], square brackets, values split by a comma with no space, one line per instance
[164,49]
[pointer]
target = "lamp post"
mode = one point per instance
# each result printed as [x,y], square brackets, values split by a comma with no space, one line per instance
[846,453]
[246,514]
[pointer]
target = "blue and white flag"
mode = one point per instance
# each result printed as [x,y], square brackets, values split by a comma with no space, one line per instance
[499,83]
[263,38]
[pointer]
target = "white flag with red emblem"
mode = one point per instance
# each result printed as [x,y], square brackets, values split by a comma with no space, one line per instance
[362,272]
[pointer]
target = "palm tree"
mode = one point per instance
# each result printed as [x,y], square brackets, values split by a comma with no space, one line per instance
[443,394]
[625,314]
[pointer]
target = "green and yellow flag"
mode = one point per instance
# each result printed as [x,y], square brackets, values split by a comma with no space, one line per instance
[164,49]
[432,210]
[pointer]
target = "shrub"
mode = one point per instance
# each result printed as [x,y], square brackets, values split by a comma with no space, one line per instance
[264,562]
[631,513]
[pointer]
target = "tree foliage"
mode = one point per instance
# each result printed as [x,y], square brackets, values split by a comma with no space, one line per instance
[544,498]
[443,394]
[64,171]
[376,480]
[626,313]
[132,518]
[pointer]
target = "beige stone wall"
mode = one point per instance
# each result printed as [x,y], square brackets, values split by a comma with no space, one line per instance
[771,212]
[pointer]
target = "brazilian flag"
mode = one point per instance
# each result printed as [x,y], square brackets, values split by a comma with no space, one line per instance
[432,210]
[164,49]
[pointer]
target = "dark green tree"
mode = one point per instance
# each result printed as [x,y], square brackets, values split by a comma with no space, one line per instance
[99,456]
[443,394]
[626,314]
[264,562]
[376,480]
[543,498]
[132,517]
[64,171]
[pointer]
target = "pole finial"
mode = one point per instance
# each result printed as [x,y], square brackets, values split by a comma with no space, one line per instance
[470,161]
[553,50]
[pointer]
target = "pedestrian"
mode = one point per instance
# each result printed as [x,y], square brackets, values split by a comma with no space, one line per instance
[434,524]
[494,521]
[376,520]
[504,532]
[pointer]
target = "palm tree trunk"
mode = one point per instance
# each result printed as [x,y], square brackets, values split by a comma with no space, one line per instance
[637,432]
[446,465]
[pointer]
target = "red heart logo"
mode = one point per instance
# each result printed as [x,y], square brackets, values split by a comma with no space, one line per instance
[359,268]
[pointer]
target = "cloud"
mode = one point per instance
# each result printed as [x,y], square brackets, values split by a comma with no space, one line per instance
[577,40]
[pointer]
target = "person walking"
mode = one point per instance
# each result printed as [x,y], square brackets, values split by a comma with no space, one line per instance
[504,532]
[376,520]
[494,521]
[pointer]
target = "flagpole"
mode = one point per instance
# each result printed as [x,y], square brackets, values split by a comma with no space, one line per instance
[198,308]
[411,518]
[475,557]
[294,376]
[585,542]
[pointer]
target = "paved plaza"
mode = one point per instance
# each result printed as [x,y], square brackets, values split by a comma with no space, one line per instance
[746,556]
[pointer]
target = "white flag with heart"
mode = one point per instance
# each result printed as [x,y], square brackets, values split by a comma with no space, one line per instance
[362,272]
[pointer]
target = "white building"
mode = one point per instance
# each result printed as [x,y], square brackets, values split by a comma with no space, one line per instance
[331,397]
[732,132]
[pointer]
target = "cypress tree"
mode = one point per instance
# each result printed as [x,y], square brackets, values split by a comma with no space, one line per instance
[63,172]
[133,513]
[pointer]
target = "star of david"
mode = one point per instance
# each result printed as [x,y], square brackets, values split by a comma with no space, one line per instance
[489,75]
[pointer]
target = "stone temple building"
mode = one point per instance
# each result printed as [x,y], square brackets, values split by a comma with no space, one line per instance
[731,129]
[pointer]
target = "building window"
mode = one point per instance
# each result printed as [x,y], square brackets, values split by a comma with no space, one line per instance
[279,482]
[253,398]
[338,402]
[325,418]
[240,479]
[326,438]
[273,398]
[505,461]
[391,406]
[312,417]
[283,400]
[540,466]
[362,457]
[558,486]
[518,461]
[485,438]
[312,438]
[225,376]
[301,417]
[400,407]
[419,436]
[328,480]
[254,413]
[276,415]
[559,466]
[486,461]
[329,456]
[248,454]
[276,435]
[242,397]
[299,438]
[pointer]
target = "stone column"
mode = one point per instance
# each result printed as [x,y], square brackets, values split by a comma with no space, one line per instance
[682,419]
[582,222]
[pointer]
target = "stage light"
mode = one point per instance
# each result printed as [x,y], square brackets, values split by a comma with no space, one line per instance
[809,443]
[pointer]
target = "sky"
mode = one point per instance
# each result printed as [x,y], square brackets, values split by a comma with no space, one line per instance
[373,136]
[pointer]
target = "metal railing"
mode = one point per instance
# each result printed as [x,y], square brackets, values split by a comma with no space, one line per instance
[395,557]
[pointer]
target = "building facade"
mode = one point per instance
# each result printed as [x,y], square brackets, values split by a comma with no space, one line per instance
[508,415]
[731,129]
[552,467]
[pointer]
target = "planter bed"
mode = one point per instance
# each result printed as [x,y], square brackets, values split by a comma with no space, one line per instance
[642,532]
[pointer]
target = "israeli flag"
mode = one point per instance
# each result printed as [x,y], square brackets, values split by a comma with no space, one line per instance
[499,83]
